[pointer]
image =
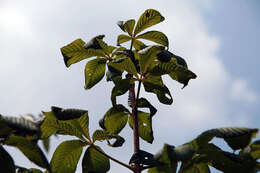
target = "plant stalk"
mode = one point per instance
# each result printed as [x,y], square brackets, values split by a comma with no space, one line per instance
[135,119]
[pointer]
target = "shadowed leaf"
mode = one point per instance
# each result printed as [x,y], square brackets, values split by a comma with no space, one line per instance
[95,162]
[7,162]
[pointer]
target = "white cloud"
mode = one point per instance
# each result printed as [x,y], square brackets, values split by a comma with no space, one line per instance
[240,91]
[33,76]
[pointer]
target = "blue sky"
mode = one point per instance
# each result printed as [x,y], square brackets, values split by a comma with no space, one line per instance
[219,40]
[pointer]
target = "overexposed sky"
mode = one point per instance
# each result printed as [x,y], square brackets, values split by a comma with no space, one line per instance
[208,34]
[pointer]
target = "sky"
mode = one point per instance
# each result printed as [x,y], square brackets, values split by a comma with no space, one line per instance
[218,39]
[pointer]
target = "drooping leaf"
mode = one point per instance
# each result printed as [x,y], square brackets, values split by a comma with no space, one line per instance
[100,135]
[7,162]
[93,43]
[149,18]
[115,119]
[144,103]
[197,168]
[30,149]
[127,26]
[124,64]
[167,164]
[104,46]
[75,52]
[155,36]
[144,126]
[228,162]
[144,158]
[121,88]
[236,137]
[94,161]
[113,74]
[255,149]
[94,72]
[66,114]
[155,85]
[66,156]
[119,141]
[147,56]
[122,38]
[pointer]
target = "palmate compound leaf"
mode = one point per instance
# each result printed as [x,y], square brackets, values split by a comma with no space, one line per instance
[115,119]
[101,135]
[167,164]
[95,162]
[30,149]
[155,36]
[144,126]
[75,52]
[127,26]
[94,72]
[66,156]
[7,162]
[149,18]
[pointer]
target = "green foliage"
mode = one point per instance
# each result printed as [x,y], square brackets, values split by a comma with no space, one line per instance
[66,156]
[142,64]
[95,161]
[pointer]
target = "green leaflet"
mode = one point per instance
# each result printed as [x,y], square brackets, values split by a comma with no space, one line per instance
[100,135]
[144,126]
[94,161]
[115,119]
[54,126]
[75,52]
[138,45]
[124,64]
[144,103]
[167,164]
[94,72]
[127,26]
[155,85]
[30,149]
[155,36]
[149,18]
[66,156]
[6,161]
[122,38]
[147,56]
[120,88]
[46,144]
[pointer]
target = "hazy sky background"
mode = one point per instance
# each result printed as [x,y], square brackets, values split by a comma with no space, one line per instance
[218,39]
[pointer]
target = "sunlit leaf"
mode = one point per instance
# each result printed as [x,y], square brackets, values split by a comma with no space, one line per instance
[95,162]
[75,52]
[66,156]
[122,38]
[149,18]
[124,64]
[155,36]
[138,45]
[94,72]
